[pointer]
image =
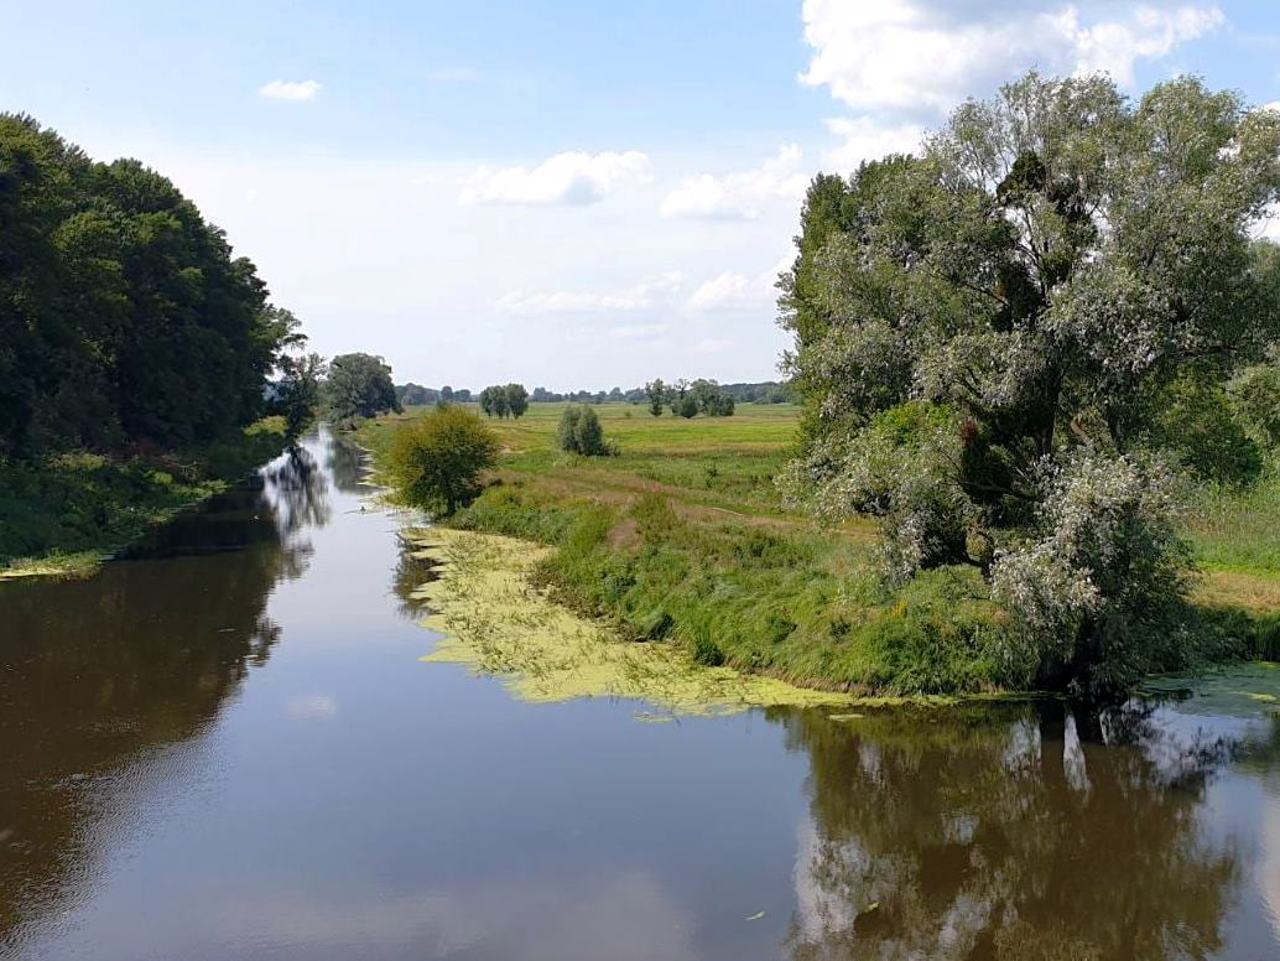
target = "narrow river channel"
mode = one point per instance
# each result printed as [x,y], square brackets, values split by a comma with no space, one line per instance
[225,747]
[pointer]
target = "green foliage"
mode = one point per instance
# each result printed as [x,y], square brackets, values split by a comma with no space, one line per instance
[358,385]
[435,461]
[504,400]
[1195,419]
[580,433]
[656,393]
[124,317]
[1071,276]
[74,507]
[711,399]
[517,399]
[1255,394]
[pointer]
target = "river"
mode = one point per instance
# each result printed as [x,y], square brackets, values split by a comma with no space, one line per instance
[225,747]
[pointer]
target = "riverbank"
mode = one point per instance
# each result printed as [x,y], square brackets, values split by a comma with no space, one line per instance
[64,516]
[683,539]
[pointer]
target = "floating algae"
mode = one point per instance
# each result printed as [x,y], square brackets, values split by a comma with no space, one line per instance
[495,621]
[1245,690]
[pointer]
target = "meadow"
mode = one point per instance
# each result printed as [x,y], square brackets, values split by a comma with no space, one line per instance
[684,536]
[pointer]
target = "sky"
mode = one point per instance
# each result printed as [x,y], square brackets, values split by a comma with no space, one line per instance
[571,194]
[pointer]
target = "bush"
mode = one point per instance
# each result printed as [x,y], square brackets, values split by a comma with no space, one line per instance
[435,461]
[580,433]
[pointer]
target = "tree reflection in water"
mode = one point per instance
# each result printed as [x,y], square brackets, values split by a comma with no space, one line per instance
[107,679]
[1012,832]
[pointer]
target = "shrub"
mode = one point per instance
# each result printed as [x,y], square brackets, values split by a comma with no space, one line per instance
[580,433]
[435,461]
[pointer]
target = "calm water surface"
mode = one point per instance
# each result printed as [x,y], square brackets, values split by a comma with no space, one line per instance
[226,747]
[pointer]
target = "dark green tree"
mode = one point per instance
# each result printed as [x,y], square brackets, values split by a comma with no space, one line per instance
[358,385]
[517,399]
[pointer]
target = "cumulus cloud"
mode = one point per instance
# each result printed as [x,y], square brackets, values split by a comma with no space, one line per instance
[904,54]
[573,178]
[290,90]
[738,196]
[645,295]
[863,138]
[736,291]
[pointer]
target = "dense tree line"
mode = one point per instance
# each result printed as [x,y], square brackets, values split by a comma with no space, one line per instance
[765,392]
[688,399]
[415,395]
[1012,347]
[125,318]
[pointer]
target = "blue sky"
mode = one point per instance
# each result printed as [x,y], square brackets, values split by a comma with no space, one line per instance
[563,193]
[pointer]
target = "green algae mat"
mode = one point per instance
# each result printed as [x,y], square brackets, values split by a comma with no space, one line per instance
[495,621]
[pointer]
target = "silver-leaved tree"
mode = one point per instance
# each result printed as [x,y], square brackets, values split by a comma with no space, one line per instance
[989,338]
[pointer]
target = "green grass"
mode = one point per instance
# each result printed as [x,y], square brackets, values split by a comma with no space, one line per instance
[683,538]
[62,516]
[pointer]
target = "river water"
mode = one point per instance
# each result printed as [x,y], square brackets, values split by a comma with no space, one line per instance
[225,747]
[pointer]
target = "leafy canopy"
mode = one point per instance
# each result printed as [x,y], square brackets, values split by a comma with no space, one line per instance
[358,385]
[993,332]
[435,461]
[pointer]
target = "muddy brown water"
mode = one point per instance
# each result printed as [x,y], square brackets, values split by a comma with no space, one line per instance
[224,747]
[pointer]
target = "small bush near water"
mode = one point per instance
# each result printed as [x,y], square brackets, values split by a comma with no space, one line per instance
[435,461]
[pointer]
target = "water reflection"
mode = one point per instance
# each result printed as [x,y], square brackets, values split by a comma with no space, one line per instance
[108,682]
[1015,832]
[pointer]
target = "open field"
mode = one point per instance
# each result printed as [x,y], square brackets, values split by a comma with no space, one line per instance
[683,535]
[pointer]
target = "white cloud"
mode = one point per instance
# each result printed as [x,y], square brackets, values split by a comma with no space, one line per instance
[733,290]
[643,296]
[904,54]
[867,139]
[713,345]
[637,331]
[290,90]
[573,178]
[737,196]
[1115,46]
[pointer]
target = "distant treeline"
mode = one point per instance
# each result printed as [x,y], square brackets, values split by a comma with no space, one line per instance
[124,317]
[766,392]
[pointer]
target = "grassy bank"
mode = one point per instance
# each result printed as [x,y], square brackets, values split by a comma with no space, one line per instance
[64,515]
[682,538]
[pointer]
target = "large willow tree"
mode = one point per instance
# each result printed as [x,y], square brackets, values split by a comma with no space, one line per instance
[988,336]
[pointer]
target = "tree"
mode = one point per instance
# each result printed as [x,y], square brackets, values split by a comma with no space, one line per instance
[686,406]
[358,385]
[580,433]
[496,400]
[446,394]
[124,316]
[656,393]
[712,399]
[517,399]
[980,326]
[435,461]
[295,393]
